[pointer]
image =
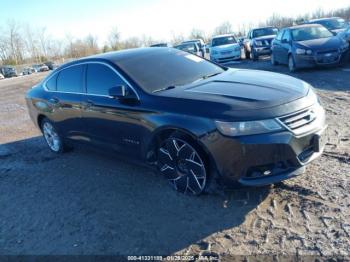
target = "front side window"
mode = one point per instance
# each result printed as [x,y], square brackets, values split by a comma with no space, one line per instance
[100,78]
[70,79]
[286,36]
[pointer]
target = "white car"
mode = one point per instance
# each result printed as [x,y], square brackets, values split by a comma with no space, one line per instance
[224,48]
[1,76]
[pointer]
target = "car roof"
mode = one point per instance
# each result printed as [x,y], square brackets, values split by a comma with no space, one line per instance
[224,35]
[115,56]
[264,27]
[302,26]
[323,19]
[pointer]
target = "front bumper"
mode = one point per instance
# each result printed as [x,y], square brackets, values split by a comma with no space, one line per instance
[263,50]
[224,57]
[263,159]
[319,59]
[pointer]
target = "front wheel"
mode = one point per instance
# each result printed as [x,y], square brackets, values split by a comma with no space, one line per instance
[182,165]
[273,60]
[52,138]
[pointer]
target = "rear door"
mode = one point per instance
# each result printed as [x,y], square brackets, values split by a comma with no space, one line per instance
[65,98]
[276,47]
[285,46]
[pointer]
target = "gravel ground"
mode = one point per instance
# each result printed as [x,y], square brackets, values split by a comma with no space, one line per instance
[89,202]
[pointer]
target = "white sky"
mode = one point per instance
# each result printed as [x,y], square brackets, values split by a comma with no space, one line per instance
[159,19]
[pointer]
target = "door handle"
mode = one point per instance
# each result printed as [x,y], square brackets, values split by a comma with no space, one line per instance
[54,100]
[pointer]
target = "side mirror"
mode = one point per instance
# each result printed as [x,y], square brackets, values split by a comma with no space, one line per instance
[117,91]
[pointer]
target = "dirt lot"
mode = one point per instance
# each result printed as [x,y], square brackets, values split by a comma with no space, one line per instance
[88,202]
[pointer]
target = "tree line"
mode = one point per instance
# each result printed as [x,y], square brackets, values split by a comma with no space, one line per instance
[21,43]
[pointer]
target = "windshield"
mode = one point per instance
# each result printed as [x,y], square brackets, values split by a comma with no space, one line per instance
[333,24]
[264,31]
[9,69]
[309,33]
[226,40]
[170,67]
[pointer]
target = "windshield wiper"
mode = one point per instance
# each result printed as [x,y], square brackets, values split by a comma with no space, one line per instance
[207,76]
[163,89]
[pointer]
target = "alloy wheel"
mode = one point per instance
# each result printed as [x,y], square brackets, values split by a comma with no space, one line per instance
[52,138]
[181,164]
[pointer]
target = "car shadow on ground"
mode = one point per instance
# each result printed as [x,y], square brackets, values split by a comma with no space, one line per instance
[85,202]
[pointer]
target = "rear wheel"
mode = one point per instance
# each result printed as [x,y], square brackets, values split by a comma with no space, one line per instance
[52,137]
[182,165]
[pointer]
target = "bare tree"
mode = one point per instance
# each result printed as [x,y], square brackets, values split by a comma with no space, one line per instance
[114,39]
[224,28]
[197,34]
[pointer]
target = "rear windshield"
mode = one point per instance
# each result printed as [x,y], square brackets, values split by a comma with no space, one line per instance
[164,68]
[226,40]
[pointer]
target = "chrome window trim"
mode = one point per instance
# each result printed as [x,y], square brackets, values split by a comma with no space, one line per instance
[80,93]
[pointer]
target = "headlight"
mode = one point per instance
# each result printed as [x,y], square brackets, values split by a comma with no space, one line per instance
[248,128]
[308,52]
[300,51]
[258,43]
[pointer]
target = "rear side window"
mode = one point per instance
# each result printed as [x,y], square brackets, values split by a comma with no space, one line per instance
[279,35]
[100,78]
[70,79]
[51,84]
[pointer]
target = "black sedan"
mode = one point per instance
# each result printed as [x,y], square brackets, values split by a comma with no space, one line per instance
[307,46]
[197,121]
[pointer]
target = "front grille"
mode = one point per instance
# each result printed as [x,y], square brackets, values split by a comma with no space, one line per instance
[300,122]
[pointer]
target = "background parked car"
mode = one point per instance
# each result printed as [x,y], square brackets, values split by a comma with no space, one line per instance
[307,46]
[259,42]
[28,71]
[161,45]
[224,48]
[8,71]
[1,76]
[51,65]
[333,24]
[200,44]
[40,68]
[190,48]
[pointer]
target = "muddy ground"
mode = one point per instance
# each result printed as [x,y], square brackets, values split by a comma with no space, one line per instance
[89,202]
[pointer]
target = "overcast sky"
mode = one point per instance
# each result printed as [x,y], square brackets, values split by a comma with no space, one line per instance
[156,18]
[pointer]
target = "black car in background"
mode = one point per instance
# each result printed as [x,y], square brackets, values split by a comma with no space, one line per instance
[333,24]
[8,71]
[258,42]
[51,65]
[198,122]
[306,46]
[190,48]
[200,43]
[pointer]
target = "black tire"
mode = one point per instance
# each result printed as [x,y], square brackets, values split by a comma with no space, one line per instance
[247,54]
[254,56]
[52,138]
[183,164]
[273,60]
[291,64]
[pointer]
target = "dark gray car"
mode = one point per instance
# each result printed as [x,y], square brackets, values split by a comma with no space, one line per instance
[258,42]
[307,46]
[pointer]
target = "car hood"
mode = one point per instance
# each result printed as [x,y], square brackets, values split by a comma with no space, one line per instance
[322,43]
[241,91]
